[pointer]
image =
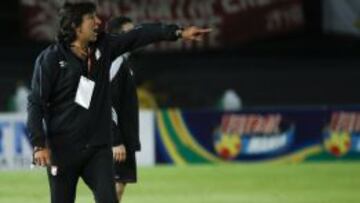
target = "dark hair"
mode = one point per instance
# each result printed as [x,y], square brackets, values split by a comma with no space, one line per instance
[115,24]
[70,17]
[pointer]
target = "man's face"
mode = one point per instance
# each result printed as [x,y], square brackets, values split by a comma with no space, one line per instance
[89,28]
[127,27]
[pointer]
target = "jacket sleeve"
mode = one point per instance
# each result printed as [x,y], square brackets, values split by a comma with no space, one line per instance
[140,36]
[117,135]
[38,99]
[129,110]
[118,102]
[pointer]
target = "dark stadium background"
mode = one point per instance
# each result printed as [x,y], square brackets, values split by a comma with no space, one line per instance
[303,67]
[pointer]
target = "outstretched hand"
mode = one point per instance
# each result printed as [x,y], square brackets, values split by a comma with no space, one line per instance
[194,33]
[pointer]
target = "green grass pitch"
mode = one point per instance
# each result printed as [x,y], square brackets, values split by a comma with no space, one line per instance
[234,183]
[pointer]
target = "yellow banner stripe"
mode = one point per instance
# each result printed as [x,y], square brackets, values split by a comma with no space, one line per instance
[169,145]
[187,138]
[298,157]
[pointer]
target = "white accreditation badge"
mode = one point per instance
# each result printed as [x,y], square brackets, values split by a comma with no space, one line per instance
[84,92]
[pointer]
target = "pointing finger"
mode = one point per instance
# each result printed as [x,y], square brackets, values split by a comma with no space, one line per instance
[205,30]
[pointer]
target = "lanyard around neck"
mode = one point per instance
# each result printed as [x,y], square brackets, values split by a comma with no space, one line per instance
[88,55]
[89,62]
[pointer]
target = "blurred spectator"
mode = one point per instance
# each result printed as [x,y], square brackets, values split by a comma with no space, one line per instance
[230,101]
[18,102]
[20,98]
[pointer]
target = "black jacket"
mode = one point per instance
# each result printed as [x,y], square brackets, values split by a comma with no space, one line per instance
[53,116]
[126,106]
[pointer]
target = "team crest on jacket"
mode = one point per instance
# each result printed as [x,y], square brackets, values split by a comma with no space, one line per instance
[62,64]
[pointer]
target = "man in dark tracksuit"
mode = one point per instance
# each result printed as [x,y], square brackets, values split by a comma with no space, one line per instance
[125,112]
[69,114]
